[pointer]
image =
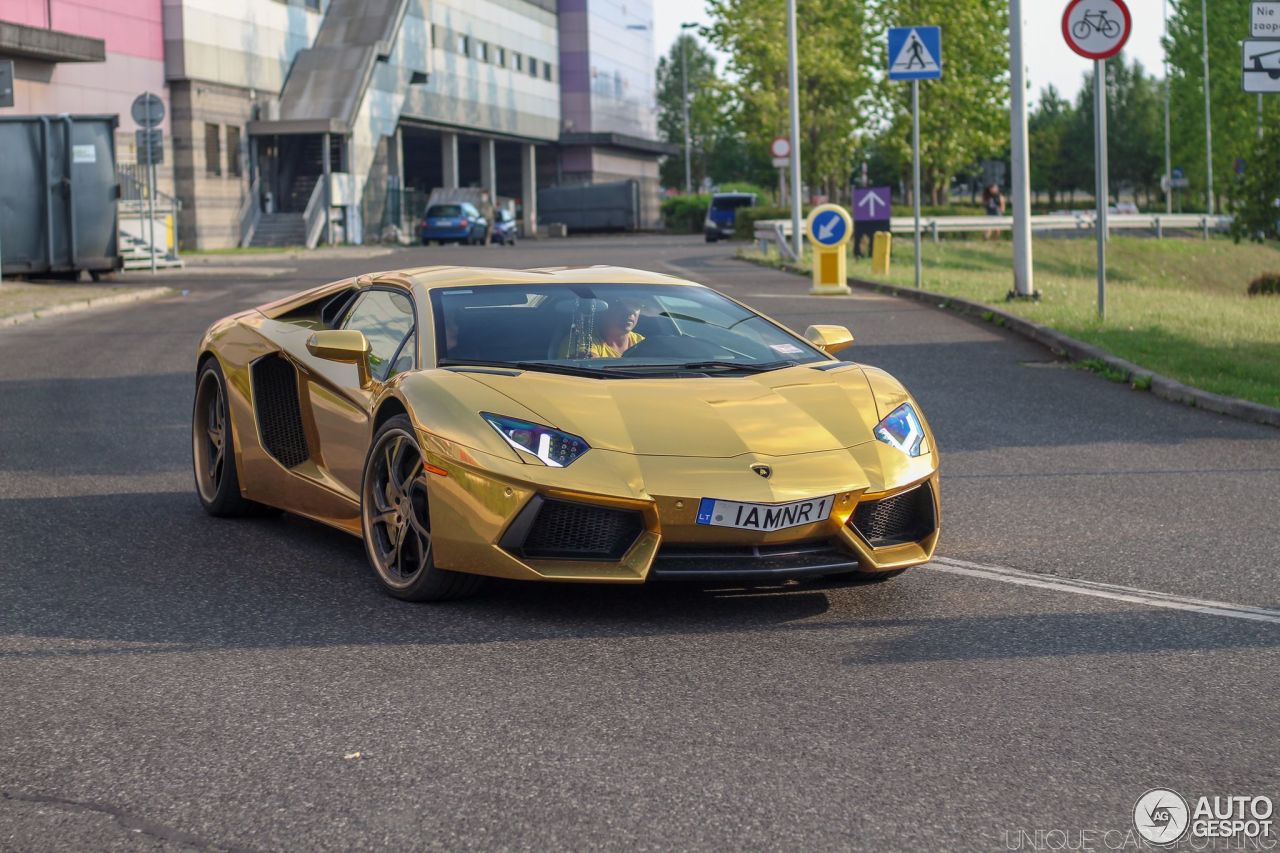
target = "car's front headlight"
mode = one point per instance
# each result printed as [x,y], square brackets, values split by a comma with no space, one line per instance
[551,446]
[902,429]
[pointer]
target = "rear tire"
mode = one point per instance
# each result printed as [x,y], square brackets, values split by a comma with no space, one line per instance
[396,523]
[213,449]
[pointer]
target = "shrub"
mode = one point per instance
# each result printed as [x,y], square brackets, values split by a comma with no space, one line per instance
[685,213]
[744,222]
[1267,284]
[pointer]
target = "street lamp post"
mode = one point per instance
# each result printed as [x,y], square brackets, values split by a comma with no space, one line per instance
[1168,155]
[794,76]
[1208,128]
[684,104]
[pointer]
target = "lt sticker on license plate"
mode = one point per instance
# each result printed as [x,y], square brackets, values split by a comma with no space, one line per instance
[718,513]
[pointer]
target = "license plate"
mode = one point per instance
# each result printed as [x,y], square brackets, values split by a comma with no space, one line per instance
[443,223]
[764,517]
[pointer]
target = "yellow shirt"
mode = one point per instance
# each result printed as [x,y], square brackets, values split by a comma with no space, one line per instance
[600,349]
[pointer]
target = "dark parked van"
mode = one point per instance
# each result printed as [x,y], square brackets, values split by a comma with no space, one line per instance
[723,211]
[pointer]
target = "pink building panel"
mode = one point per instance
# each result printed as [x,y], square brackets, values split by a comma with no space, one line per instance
[131,27]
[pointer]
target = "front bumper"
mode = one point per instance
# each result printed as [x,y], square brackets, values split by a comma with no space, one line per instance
[484,511]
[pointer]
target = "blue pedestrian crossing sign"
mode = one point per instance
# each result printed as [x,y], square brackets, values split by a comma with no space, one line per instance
[915,53]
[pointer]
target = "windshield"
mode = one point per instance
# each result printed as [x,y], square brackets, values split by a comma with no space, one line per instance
[444,210]
[732,202]
[609,330]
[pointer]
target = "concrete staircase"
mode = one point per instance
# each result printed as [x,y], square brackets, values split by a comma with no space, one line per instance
[280,229]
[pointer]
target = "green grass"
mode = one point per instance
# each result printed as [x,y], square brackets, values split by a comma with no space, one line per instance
[1176,307]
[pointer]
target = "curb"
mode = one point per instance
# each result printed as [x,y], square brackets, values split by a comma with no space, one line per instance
[1139,378]
[85,305]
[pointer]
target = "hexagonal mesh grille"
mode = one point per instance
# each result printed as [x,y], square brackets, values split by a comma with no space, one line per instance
[582,532]
[905,517]
[275,399]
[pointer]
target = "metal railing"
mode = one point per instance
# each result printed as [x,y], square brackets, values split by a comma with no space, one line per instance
[778,231]
[250,213]
[315,215]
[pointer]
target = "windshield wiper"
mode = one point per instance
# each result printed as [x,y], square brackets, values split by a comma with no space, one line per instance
[545,367]
[706,365]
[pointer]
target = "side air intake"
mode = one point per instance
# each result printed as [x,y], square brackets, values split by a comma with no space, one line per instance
[275,399]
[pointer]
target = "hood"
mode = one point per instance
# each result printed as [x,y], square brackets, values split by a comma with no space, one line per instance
[783,412]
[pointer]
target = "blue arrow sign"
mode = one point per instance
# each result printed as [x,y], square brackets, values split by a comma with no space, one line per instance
[828,228]
[915,53]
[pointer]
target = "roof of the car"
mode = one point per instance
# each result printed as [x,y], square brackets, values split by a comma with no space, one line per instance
[449,276]
[734,195]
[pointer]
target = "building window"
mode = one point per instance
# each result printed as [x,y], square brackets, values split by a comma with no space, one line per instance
[433,36]
[482,51]
[212,150]
[500,56]
[533,67]
[517,61]
[233,151]
[313,5]
[464,45]
[546,71]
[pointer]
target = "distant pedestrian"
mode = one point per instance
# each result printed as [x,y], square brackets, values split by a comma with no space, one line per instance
[993,201]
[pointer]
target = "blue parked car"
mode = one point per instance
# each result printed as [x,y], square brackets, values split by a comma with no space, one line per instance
[504,228]
[453,223]
[722,212]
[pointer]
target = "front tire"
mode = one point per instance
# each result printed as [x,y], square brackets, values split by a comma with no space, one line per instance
[396,523]
[213,450]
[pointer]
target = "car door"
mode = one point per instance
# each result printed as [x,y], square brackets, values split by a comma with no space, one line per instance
[339,406]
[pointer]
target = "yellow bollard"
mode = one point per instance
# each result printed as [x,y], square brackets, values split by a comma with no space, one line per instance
[829,229]
[881,253]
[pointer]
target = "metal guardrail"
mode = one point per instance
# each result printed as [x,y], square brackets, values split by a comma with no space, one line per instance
[778,231]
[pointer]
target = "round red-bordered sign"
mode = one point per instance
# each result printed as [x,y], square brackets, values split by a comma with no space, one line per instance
[780,147]
[1096,29]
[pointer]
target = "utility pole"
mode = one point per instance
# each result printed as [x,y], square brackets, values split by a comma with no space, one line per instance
[1208,128]
[684,104]
[794,74]
[1168,152]
[1023,283]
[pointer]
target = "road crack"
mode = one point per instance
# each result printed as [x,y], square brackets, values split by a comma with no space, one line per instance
[128,821]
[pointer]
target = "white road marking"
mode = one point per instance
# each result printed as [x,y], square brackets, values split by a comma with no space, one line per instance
[1114,592]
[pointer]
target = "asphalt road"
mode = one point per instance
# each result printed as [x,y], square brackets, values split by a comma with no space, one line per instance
[170,681]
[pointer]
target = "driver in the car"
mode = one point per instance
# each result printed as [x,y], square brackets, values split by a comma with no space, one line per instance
[614,332]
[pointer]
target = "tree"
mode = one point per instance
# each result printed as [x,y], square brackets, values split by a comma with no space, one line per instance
[964,117]
[1234,112]
[707,108]
[1047,129]
[1256,192]
[834,39]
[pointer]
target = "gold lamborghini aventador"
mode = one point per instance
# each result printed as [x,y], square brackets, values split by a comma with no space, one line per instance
[571,424]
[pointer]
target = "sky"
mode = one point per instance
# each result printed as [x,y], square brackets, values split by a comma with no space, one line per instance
[1049,60]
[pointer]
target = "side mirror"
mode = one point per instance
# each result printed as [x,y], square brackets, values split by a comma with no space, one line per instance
[829,339]
[346,346]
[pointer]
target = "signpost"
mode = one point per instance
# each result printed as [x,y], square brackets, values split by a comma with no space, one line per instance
[1260,55]
[148,112]
[6,100]
[830,228]
[915,54]
[1098,30]
[780,148]
[871,212]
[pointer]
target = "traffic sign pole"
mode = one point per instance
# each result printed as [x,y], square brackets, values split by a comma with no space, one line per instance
[151,203]
[1098,30]
[1103,190]
[915,168]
